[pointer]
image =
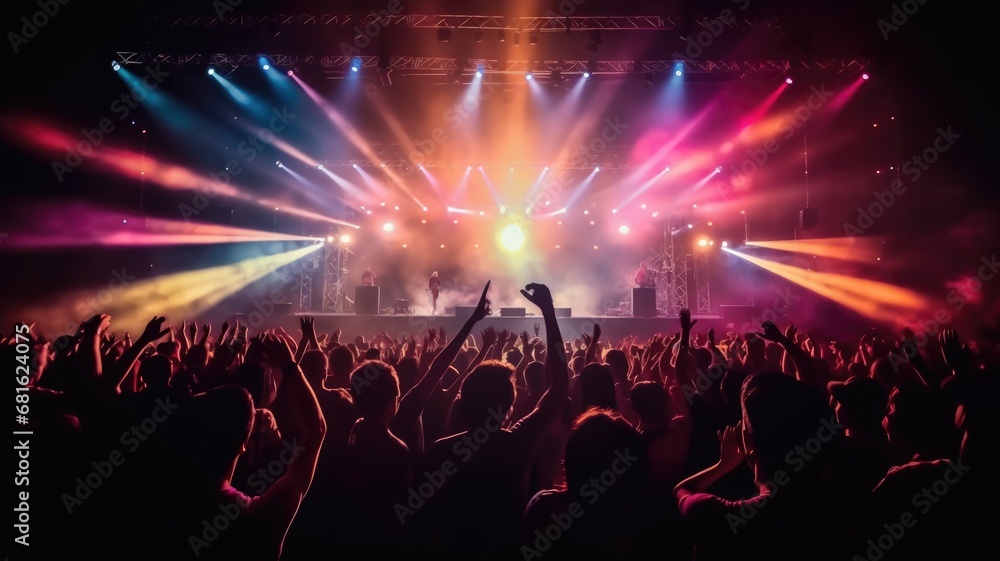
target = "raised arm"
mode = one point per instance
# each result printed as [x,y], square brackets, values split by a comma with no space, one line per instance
[119,370]
[556,371]
[412,404]
[591,355]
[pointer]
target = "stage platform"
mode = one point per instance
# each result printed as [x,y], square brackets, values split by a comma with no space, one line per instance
[401,325]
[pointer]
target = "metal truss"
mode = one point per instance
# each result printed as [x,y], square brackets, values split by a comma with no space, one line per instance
[335,275]
[547,23]
[307,275]
[701,282]
[440,66]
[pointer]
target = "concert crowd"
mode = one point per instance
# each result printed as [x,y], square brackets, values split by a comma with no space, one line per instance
[215,442]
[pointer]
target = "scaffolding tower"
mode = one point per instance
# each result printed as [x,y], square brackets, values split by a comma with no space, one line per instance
[335,279]
[701,282]
[307,278]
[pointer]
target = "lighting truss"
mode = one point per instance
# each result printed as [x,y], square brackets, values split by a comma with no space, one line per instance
[444,66]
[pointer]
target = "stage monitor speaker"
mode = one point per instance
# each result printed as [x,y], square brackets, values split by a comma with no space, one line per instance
[366,300]
[808,218]
[283,308]
[512,312]
[644,302]
[564,312]
[464,311]
[739,313]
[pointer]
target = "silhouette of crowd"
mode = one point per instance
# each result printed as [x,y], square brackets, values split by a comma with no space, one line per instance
[204,442]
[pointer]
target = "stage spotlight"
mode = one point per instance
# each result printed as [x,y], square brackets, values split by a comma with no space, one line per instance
[266,67]
[711,242]
[666,169]
[355,64]
[718,169]
[586,212]
[479,72]
[345,239]
[643,206]
[115,66]
[527,76]
[597,168]
[614,211]
[512,238]
[329,239]
[703,243]
[290,73]
[503,210]
[725,244]
[320,167]
[211,72]
[532,38]
[586,74]
[382,164]
[788,80]
[678,72]
[395,207]
[864,76]
[355,166]
[443,34]
[482,213]
[655,214]
[388,227]
[690,226]
[623,229]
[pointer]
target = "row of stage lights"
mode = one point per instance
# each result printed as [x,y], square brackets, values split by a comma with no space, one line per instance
[356,65]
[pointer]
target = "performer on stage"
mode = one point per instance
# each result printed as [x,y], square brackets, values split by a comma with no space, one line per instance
[368,277]
[644,276]
[434,285]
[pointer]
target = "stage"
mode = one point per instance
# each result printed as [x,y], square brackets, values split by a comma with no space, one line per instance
[613,328]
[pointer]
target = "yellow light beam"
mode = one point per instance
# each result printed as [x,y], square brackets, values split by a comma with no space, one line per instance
[846,249]
[873,299]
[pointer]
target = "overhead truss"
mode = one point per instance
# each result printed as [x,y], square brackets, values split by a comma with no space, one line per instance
[550,23]
[439,65]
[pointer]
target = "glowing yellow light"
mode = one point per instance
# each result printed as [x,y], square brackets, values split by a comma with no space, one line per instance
[345,239]
[512,237]
[702,242]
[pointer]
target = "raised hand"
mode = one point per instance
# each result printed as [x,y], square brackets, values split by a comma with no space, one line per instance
[731,445]
[711,336]
[686,322]
[153,331]
[586,339]
[771,332]
[489,336]
[537,328]
[525,341]
[193,331]
[597,332]
[483,308]
[275,352]
[539,295]
[956,355]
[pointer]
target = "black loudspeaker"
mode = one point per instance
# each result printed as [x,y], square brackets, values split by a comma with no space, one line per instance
[739,313]
[564,312]
[366,300]
[512,312]
[644,302]
[808,218]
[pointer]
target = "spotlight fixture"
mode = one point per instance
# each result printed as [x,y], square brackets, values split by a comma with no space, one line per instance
[320,167]
[502,36]
[532,38]
[290,73]
[586,74]
[478,36]
[517,38]
[115,66]
[594,41]
[443,34]
[788,80]
[211,72]
[345,239]
[864,76]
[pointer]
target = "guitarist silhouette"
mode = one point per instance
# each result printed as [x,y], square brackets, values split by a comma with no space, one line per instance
[434,289]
